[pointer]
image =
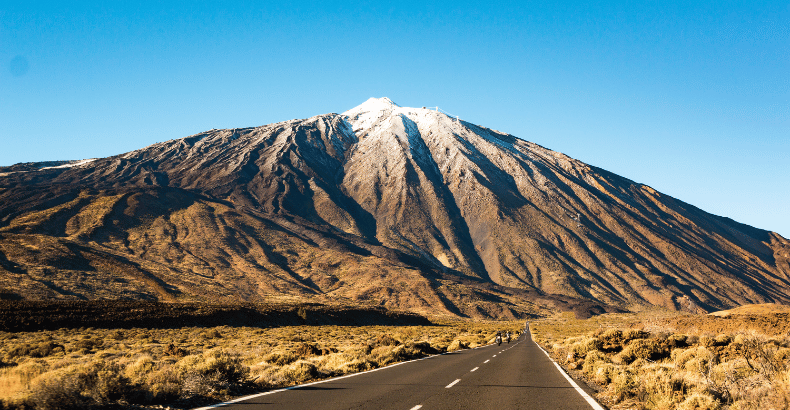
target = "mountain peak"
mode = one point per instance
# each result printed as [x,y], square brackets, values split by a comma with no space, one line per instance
[416,210]
[373,105]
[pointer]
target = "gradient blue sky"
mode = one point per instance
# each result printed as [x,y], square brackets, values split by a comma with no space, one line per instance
[691,98]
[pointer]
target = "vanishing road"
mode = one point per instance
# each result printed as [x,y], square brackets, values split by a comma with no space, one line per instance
[512,376]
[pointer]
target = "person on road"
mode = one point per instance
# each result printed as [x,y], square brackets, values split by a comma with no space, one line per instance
[498,338]
[508,337]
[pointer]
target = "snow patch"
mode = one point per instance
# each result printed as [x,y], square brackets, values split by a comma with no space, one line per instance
[72,164]
[372,105]
[373,113]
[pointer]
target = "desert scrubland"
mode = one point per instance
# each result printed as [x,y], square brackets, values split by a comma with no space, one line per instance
[191,366]
[738,359]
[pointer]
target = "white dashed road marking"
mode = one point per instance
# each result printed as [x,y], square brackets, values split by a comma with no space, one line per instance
[452,384]
[474,369]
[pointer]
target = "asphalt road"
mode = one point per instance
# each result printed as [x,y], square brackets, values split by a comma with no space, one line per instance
[512,376]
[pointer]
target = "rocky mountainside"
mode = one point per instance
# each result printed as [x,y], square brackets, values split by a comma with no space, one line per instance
[402,207]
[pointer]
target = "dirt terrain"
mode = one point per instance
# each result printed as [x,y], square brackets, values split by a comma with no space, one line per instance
[766,319]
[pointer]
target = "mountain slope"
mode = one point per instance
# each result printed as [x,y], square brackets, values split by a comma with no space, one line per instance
[405,207]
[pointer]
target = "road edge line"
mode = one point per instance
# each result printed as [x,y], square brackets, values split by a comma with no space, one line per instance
[591,401]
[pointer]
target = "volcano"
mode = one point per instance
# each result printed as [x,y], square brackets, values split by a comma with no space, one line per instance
[407,208]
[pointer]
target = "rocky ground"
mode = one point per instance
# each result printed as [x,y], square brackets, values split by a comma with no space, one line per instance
[49,315]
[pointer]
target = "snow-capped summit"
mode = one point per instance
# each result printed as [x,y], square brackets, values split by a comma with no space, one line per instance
[377,115]
[373,105]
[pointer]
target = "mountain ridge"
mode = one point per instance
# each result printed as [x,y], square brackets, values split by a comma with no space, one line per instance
[435,198]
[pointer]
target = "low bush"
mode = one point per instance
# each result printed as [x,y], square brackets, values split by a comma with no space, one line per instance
[699,401]
[300,372]
[647,349]
[95,384]
[38,350]
[217,364]
[307,350]
[280,359]
[586,345]
[385,340]
[457,345]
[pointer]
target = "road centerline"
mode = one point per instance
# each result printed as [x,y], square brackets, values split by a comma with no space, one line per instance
[452,384]
[474,369]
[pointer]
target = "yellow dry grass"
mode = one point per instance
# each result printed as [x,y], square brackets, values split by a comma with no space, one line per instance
[192,366]
[640,361]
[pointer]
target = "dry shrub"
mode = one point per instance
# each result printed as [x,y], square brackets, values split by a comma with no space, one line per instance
[633,334]
[612,340]
[328,350]
[138,371]
[612,337]
[603,373]
[656,389]
[105,383]
[407,334]
[95,384]
[623,385]
[457,345]
[385,355]
[422,349]
[218,364]
[56,390]
[675,341]
[299,372]
[782,355]
[699,401]
[14,381]
[758,380]
[722,340]
[592,360]
[173,350]
[211,374]
[38,350]
[196,384]
[162,385]
[28,370]
[647,349]
[356,365]
[279,358]
[695,359]
[598,368]
[586,345]
[385,340]
[306,350]
[87,345]
[212,334]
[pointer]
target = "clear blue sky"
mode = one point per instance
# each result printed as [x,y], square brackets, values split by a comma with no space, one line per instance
[691,98]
